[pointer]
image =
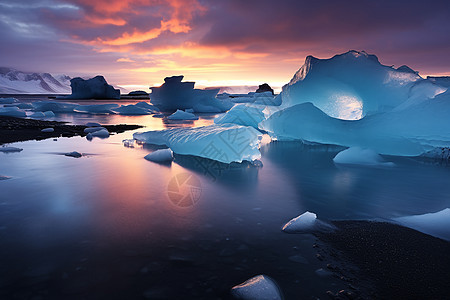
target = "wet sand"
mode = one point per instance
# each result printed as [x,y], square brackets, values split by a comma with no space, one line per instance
[400,262]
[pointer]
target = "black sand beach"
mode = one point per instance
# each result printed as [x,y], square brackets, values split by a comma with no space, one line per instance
[17,129]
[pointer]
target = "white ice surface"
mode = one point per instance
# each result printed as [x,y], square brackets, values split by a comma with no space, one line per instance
[360,156]
[225,143]
[242,114]
[182,115]
[436,224]
[306,223]
[260,287]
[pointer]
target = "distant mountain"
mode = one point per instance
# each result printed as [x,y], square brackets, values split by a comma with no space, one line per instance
[16,82]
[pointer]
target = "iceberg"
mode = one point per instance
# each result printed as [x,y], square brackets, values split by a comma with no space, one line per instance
[263,98]
[161,155]
[93,124]
[141,108]
[55,107]
[306,223]
[182,115]
[350,85]
[93,129]
[12,112]
[102,133]
[94,88]
[20,105]
[243,114]
[260,287]
[8,100]
[225,143]
[174,94]
[409,132]
[435,224]
[360,156]
[101,109]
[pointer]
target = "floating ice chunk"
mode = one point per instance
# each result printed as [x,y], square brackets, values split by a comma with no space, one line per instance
[49,114]
[306,223]
[148,106]
[74,154]
[50,129]
[132,110]
[12,112]
[264,98]
[20,105]
[3,177]
[10,149]
[56,107]
[94,88]
[360,156]
[97,108]
[182,115]
[260,287]
[103,133]
[93,129]
[93,124]
[174,94]
[225,143]
[392,133]
[8,100]
[37,115]
[242,114]
[435,224]
[129,143]
[161,155]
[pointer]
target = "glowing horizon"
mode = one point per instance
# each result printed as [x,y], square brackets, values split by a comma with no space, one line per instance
[136,43]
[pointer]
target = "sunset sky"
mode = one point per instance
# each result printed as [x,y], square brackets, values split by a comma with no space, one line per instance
[136,43]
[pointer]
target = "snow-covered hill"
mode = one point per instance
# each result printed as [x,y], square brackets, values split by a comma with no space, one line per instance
[16,82]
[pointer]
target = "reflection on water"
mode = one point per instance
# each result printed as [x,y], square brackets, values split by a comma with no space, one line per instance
[106,223]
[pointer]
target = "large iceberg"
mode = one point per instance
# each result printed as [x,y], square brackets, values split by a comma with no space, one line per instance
[174,94]
[94,88]
[396,112]
[351,85]
[243,114]
[225,143]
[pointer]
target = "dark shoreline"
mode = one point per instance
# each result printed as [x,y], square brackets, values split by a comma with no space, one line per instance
[18,130]
[387,261]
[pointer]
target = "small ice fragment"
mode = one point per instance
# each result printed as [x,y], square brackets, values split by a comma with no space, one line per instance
[10,149]
[49,114]
[93,129]
[74,154]
[93,124]
[260,287]
[161,155]
[306,223]
[12,112]
[103,133]
[128,143]
[3,177]
[37,115]
[182,115]
[8,100]
[48,129]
